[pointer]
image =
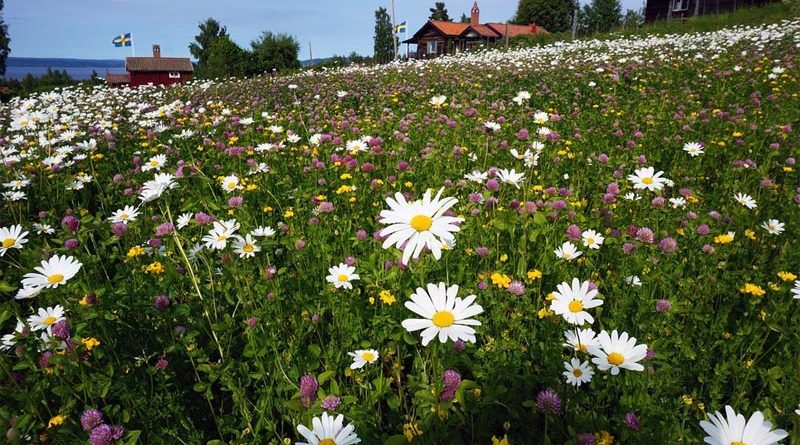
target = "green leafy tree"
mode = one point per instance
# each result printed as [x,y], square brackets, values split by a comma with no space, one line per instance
[4,42]
[632,19]
[274,52]
[210,32]
[384,48]
[226,59]
[552,15]
[601,15]
[439,12]
[464,18]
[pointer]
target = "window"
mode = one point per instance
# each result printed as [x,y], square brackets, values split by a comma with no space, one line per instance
[174,75]
[680,5]
[432,47]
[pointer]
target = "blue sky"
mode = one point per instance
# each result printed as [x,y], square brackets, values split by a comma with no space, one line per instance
[84,28]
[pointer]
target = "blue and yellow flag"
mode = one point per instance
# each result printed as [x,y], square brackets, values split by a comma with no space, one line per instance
[401,27]
[123,40]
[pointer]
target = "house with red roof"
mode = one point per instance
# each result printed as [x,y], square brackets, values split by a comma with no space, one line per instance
[437,37]
[154,70]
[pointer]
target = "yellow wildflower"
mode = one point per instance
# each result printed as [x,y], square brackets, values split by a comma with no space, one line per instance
[90,343]
[411,431]
[725,238]
[534,274]
[135,251]
[387,297]
[545,312]
[288,213]
[503,259]
[603,438]
[750,234]
[56,420]
[550,297]
[345,176]
[501,280]
[752,289]
[503,441]
[786,276]
[155,268]
[344,189]
[687,399]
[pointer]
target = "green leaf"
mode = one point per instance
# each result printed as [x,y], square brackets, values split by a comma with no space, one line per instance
[132,437]
[314,350]
[324,377]
[397,439]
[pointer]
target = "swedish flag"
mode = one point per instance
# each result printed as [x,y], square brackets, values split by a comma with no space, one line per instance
[123,40]
[401,27]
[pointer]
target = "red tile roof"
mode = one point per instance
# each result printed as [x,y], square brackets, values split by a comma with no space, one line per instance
[449,28]
[483,31]
[516,30]
[114,79]
[181,64]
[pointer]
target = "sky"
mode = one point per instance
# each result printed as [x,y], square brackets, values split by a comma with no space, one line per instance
[83,29]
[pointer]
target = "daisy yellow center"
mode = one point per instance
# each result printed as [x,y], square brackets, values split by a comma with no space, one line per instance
[231,186]
[49,320]
[582,347]
[421,223]
[368,356]
[615,358]
[248,248]
[342,278]
[55,278]
[8,242]
[577,372]
[443,319]
[154,163]
[575,306]
[590,240]
[738,442]
[567,256]
[647,181]
[124,216]
[222,238]
[327,442]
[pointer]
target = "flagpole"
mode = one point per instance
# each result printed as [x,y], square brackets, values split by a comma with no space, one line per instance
[133,47]
[394,32]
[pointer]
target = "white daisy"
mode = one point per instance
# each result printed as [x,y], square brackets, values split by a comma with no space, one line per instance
[222,231]
[419,224]
[693,148]
[445,314]
[17,184]
[677,203]
[647,178]
[570,301]
[796,290]
[510,177]
[745,200]
[363,356]
[568,251]
[491,126]
[356,146]
[633,280]
[262,231]
[155,163]
[46,317]
[541,118]
[342,275]
[124,215]
[8,341]
[154,188]
[246,247]
[617,351]
[231,183]
[53,272]
[592,239]
[580,339]
[438,101]
[328,431]
[735,430]
[578,373]
[25,293]
[773,226]
[476,176]
[12,238]
[184,219]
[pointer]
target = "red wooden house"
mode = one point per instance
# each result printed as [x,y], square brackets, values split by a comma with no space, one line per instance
[154,70]
[438,37]
[682,9]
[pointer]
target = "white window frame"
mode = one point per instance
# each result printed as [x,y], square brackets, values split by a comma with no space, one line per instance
[174,75]
[431,47]
[680,5]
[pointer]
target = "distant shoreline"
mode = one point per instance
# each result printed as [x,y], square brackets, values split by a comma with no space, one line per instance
[78,69]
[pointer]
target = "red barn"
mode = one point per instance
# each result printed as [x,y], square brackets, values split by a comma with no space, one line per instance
[156,70]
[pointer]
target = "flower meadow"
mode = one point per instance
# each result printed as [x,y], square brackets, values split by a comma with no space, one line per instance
[582,243]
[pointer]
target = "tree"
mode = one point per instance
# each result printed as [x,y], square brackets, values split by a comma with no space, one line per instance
[210,32]
[632,19]
[226,59]
[602,15]
[464,18]
[439,12]
[4,42]
[384,47]
[272,52]
[552,15]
